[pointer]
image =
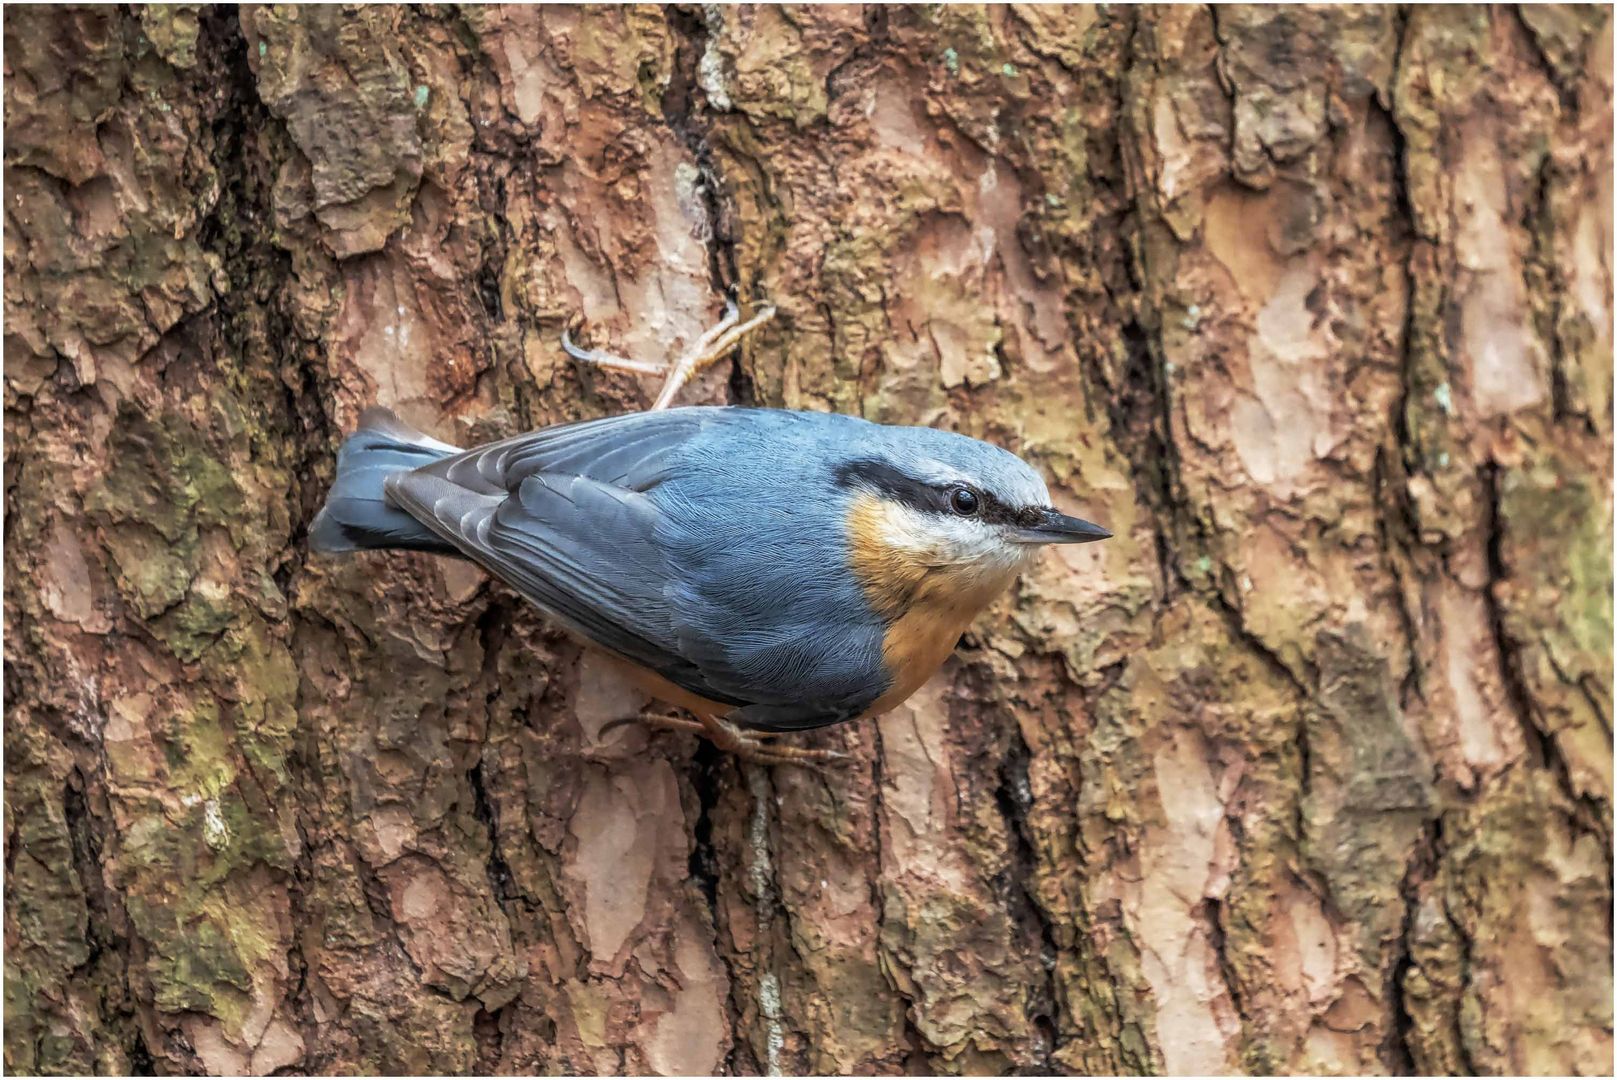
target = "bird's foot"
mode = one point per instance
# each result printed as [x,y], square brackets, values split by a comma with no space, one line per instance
[759,746]
[712,346]
[762,747]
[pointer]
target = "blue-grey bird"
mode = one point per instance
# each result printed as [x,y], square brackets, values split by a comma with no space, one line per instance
[768,571]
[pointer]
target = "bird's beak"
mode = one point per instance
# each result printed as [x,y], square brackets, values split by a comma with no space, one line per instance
[1058,528]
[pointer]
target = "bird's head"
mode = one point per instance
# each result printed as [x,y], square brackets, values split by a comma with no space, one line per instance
[932,508]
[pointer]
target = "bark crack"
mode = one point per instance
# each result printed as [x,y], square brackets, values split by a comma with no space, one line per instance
[1015,798]
[488,1032]
[86,849]
[683,112]
[686,115]
[761,876]
[501,882]
[704,871]
[1398,1047]
[1586,811]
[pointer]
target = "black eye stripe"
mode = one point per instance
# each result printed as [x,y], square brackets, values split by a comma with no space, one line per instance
[901,487]
[896,485]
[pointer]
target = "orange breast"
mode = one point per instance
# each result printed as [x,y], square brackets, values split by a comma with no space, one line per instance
[926,603]
[915,646]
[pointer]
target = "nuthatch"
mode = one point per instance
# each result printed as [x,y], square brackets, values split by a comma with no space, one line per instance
[769,571]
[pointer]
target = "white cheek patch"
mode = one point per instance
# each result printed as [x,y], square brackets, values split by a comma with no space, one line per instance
[963,544]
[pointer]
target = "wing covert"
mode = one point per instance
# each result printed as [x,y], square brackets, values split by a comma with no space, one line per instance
[562,515]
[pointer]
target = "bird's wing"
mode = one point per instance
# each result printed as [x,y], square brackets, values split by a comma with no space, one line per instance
[563,516]
[629,451]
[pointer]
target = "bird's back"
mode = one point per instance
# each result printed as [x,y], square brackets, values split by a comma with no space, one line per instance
[754,525]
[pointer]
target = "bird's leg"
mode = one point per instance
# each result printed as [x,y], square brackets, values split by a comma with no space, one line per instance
[750,746]
[600,358]
[713,345]
[657,720]
[756,746]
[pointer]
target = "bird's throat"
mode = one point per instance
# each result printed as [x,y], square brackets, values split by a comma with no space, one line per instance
[926,604]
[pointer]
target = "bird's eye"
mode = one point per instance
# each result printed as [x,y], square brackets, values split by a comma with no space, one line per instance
[964,501]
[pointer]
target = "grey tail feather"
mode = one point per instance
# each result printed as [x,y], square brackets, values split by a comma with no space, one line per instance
[357,515]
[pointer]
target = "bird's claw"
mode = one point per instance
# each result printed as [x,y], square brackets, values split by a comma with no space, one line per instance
[775,754]
[762,747]
[714,344]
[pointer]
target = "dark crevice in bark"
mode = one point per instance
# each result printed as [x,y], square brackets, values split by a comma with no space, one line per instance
[1538,744]
[684,110]
[1436,832]
[1404,435]
[13,843]
[108,945]
[491,636]
[493,629]
[501,883]
[1394,542]
[500,330]
[704,865]
[84,835]
[1397,523]
[488,1034]
[140,1055]
[1397,1049]
[1139,403]
[1212,911]
[254,330]
[1014,796]
[1305,781]
[1587,812]
[488,281]
[1139,411]
[1540,225]
[705,771]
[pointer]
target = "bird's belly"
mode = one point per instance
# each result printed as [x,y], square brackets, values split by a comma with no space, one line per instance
[654,685]
[915,646]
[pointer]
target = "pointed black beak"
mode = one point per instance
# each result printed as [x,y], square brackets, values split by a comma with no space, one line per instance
[1058,528]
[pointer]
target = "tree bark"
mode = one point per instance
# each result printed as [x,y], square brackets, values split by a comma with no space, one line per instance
[1309,768]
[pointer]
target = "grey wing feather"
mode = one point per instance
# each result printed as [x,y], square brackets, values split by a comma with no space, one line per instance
[626,451]
[383,420]
[562,516]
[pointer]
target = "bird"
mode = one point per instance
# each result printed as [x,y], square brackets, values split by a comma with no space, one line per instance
[769,571]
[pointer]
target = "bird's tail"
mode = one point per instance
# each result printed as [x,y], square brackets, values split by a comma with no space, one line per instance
[357,515]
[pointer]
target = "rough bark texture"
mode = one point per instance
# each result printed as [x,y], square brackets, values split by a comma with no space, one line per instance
[1308,769]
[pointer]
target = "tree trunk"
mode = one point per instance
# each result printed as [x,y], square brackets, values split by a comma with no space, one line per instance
[1309,768]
